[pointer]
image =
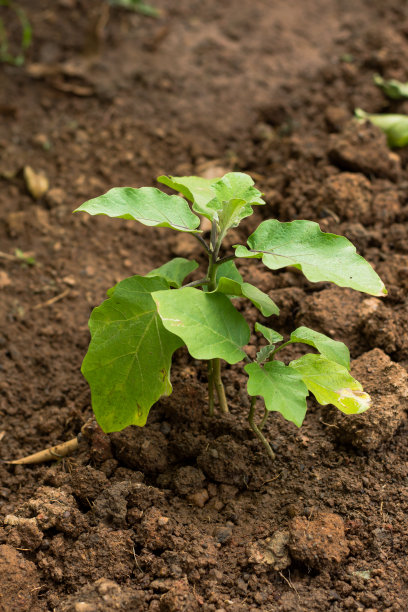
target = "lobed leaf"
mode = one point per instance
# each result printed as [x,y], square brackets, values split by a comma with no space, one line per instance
[329,348]
[128,361]
[331,383]
[260,299]
[321,256]
[281,387]
[147,205]
[207,323]
[174,271]
[394,126]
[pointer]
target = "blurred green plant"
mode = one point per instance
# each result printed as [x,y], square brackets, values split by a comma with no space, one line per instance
[26,35]
[392,88]
[394,126]
[25,258]
[138,6]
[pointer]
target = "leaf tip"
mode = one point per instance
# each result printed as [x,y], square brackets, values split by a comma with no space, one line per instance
[383,292]
[361,401]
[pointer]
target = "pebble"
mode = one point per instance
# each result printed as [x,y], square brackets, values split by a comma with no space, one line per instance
[199,498]
[36,182]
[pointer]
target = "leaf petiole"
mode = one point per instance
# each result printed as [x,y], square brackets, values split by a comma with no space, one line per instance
[197,283]
[257,431]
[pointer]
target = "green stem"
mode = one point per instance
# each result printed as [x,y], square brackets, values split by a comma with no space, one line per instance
[202,242]
[226,258]
[210,389]
[279,349]
[196,283]
[257,431]
[219,387]
[214,366]
[264,419]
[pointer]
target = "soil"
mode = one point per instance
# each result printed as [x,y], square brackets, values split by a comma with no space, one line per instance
[188,513]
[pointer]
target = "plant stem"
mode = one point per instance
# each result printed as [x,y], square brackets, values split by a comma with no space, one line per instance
[196,283]
[226,258]
[202,242]
[257,431]
[210,389]
[285,344]
[219,387]
[214,365]
[264,419]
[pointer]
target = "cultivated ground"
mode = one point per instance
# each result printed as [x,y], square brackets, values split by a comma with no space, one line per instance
[187,513]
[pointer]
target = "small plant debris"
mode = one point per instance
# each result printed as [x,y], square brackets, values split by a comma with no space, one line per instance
[392,88]
[394,126]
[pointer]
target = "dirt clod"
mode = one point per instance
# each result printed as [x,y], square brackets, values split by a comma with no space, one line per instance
[362,147]
[19,582]
[387,384]
[102,595]
[141,449]
[318,542]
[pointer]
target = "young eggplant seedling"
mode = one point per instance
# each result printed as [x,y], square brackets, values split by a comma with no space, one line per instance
[135,332]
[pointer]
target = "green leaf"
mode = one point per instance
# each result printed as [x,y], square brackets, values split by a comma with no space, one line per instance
[281,387]
[237,186]
[128,361]
[321,256]
[260,299]
[392,88]
[236,194]
[329,348]
[174,271]
[264,353]
[271,335]
[331,383]
[232,195]
[207,322]
[148,205]
[394,126]
[196,189]
[228,269]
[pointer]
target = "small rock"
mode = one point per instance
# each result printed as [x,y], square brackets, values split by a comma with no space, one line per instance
[272,552]
[36,182]
[5,280]
[318,542]
[199,498]
[187,480]
[55,197]
[223,535]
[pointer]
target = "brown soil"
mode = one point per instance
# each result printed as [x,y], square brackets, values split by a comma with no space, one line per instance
[187,513]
